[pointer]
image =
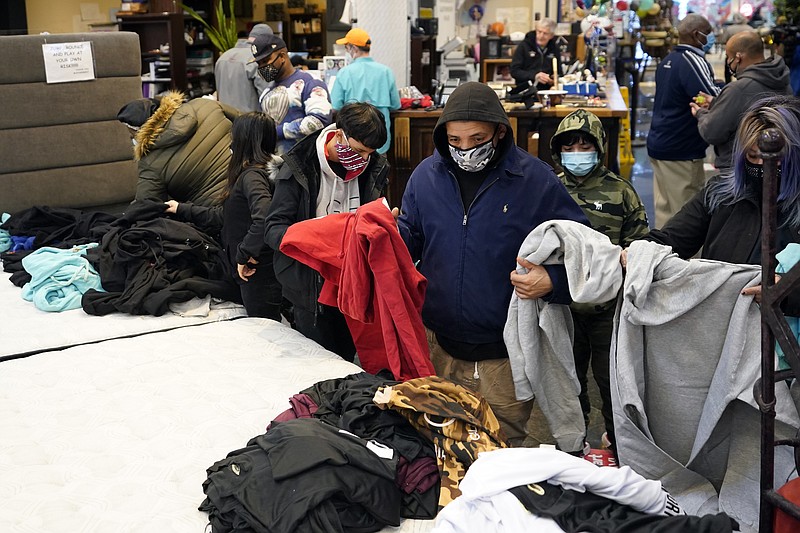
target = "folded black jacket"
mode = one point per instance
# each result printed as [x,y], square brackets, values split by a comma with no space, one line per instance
[302,476]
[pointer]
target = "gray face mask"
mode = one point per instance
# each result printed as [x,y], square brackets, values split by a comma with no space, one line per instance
[476,158]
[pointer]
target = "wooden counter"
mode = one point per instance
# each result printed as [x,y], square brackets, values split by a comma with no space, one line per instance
[412,132]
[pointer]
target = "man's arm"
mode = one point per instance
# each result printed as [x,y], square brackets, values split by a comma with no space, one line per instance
[318,112]
[518,63]
[697,75]
[395,95]
[718,123]
[549,281]
[408,222]
[337,91]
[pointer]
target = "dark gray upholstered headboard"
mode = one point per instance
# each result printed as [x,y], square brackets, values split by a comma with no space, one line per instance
[60,143]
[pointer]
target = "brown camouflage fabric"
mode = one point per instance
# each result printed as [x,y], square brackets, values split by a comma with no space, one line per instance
[459,422]
[610,202]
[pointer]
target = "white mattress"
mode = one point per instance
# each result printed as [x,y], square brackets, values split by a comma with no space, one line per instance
[116,436]
[28,330]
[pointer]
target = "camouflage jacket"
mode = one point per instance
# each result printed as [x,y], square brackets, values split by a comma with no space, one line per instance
[459,422]
[610,202]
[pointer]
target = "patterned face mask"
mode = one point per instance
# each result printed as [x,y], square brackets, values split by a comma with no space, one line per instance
[475,158]
[756,172]
[269,71]
[351,160]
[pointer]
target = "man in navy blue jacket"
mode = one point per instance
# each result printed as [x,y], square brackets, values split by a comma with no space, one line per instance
[674,144]
[466,211]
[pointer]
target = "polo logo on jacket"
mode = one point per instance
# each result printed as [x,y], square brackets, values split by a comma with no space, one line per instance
[598,206]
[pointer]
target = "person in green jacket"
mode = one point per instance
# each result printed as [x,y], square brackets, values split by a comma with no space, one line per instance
[613,208]
[182,148]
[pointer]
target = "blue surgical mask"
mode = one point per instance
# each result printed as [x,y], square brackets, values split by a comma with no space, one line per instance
[578,163]
[710,40]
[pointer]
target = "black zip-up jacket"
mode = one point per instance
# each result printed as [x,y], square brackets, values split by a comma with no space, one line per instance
[529,60]
[306,476]
[296,189]
[731,233]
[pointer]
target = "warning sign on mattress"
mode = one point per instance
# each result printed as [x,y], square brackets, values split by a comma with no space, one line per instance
[65,62]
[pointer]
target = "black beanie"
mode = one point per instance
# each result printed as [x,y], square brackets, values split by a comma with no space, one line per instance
[135,113]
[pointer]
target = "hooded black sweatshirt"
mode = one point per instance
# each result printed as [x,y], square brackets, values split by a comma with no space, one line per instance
[718,123]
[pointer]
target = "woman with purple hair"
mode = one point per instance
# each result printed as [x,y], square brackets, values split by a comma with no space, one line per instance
[724,218]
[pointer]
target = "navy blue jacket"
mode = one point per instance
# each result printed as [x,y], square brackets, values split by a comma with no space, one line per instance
[468,255]
[673,132]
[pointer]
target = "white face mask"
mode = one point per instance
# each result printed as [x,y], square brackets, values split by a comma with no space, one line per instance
[578,163]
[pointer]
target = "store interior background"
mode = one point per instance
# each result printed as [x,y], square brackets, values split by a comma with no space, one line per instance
[65,16]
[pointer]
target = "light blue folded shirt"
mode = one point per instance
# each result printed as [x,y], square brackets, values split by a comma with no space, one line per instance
[59,277]
[787,258]
[5,237]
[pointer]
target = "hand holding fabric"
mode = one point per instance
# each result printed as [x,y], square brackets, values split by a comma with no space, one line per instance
[533,284]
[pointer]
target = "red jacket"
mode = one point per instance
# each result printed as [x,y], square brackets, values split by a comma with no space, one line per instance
[370,277]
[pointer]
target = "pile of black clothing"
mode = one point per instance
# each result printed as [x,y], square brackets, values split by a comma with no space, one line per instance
[333,462]
[145,259]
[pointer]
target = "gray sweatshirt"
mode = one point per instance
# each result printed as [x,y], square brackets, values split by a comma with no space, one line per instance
[683,364]
[538,334]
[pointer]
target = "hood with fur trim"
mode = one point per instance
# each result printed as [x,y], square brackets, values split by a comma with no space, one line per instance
[151,132]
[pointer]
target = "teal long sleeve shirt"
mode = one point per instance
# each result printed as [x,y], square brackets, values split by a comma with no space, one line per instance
[364,80]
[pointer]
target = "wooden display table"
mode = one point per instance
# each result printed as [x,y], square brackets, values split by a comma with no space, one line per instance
[412,135]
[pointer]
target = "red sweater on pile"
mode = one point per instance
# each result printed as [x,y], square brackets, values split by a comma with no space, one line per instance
[370,277]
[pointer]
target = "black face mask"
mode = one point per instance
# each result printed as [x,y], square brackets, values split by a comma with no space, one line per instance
[270,72]
[755,173]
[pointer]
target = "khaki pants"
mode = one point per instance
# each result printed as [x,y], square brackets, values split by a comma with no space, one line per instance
[491,379]
[674,184]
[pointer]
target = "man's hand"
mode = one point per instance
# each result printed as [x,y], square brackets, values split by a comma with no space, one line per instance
[703,99]
[535,284]
[396,213]
[172,206]
[543,77]
[623,258]
[245,270]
